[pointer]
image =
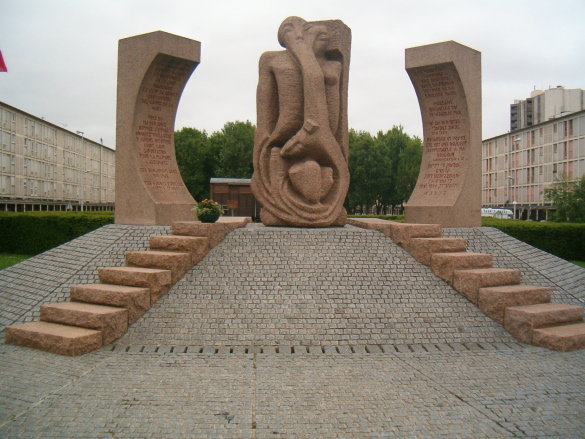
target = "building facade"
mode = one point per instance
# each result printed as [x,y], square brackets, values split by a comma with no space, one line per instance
[46,167]
[519,165]
[545,105]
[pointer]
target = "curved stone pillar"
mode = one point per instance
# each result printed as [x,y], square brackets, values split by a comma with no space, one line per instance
[447,80]
[152,72]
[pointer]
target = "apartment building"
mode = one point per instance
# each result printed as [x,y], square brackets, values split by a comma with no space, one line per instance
[46,167]
[545,105]
[519,165]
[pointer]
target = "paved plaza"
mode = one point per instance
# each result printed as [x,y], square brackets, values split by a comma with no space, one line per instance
[298,333]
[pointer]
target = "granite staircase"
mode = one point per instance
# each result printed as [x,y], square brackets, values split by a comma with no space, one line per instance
[97,314]
[525,311]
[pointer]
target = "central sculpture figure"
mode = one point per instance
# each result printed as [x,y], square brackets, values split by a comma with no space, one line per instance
[301,176]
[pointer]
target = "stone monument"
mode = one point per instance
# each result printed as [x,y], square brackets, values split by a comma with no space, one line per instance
[301,147]
[447,80]
[152,72]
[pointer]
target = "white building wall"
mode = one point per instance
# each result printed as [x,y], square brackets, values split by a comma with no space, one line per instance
[519,165]
[545,105]
[43,162]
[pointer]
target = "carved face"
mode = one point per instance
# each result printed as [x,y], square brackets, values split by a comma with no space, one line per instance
[291,30]
[318,36]
[294,30]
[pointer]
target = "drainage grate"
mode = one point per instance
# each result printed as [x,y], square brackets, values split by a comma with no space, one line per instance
[374,349]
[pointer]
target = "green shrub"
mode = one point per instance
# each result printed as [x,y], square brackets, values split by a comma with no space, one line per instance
[31,233]
[565,240]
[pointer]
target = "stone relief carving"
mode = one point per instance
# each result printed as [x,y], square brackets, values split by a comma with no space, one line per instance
[301,175]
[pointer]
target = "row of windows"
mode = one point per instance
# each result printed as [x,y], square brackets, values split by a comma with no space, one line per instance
[522,195]
[550,133]
[43,189]
[537,156]
[573,169]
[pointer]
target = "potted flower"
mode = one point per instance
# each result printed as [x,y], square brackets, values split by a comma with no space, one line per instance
[208,211]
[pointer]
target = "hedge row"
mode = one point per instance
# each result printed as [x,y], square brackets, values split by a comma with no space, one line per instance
[31,233]
[397,218]
[565,240]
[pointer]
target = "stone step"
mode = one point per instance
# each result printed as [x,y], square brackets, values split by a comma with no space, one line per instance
[215,232]
[177,262]
[111,321]
[196,246]
[561,338]
[54,338]
[135,299]
[158,281]
[400,233]
[468,282]
[494,300]
[445,264]
[421,249]
[521,321]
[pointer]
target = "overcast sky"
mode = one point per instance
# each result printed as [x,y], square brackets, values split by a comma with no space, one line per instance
[62,54]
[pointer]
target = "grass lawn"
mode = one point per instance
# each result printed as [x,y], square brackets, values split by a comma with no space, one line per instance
[579,263]
[7,259]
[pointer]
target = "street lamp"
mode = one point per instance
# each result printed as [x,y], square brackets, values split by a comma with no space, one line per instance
[510,182]
[514,203]
[83,171]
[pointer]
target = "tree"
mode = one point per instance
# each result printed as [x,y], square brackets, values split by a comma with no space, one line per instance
[383,169]
[195,161]
[568,197]
[409,168]
[362,169]
[233,147]
[225,153]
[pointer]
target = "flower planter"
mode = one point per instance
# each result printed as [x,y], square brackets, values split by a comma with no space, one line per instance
[209,217]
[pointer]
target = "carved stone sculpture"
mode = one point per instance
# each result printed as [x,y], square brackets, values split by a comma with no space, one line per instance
[301,176]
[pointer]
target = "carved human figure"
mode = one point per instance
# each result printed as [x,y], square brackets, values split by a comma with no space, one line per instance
[300,153]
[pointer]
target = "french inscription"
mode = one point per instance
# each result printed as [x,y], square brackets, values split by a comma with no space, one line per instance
[159,97]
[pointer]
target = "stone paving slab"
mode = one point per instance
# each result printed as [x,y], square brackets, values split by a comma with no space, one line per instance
[496,393]
[336,286]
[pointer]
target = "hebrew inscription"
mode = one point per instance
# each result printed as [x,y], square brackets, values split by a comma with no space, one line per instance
[446,150]
[447,80]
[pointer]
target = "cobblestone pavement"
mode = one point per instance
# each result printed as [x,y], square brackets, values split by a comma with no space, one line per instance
[274,367]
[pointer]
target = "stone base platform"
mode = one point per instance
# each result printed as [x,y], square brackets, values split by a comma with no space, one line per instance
[228,385]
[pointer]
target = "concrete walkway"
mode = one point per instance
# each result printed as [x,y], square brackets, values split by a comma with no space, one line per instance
[333,333]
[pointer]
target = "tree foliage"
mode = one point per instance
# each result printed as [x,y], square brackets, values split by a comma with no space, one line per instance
[233,147]
[195,161]
[225,153]
[383,168]
[568,197]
